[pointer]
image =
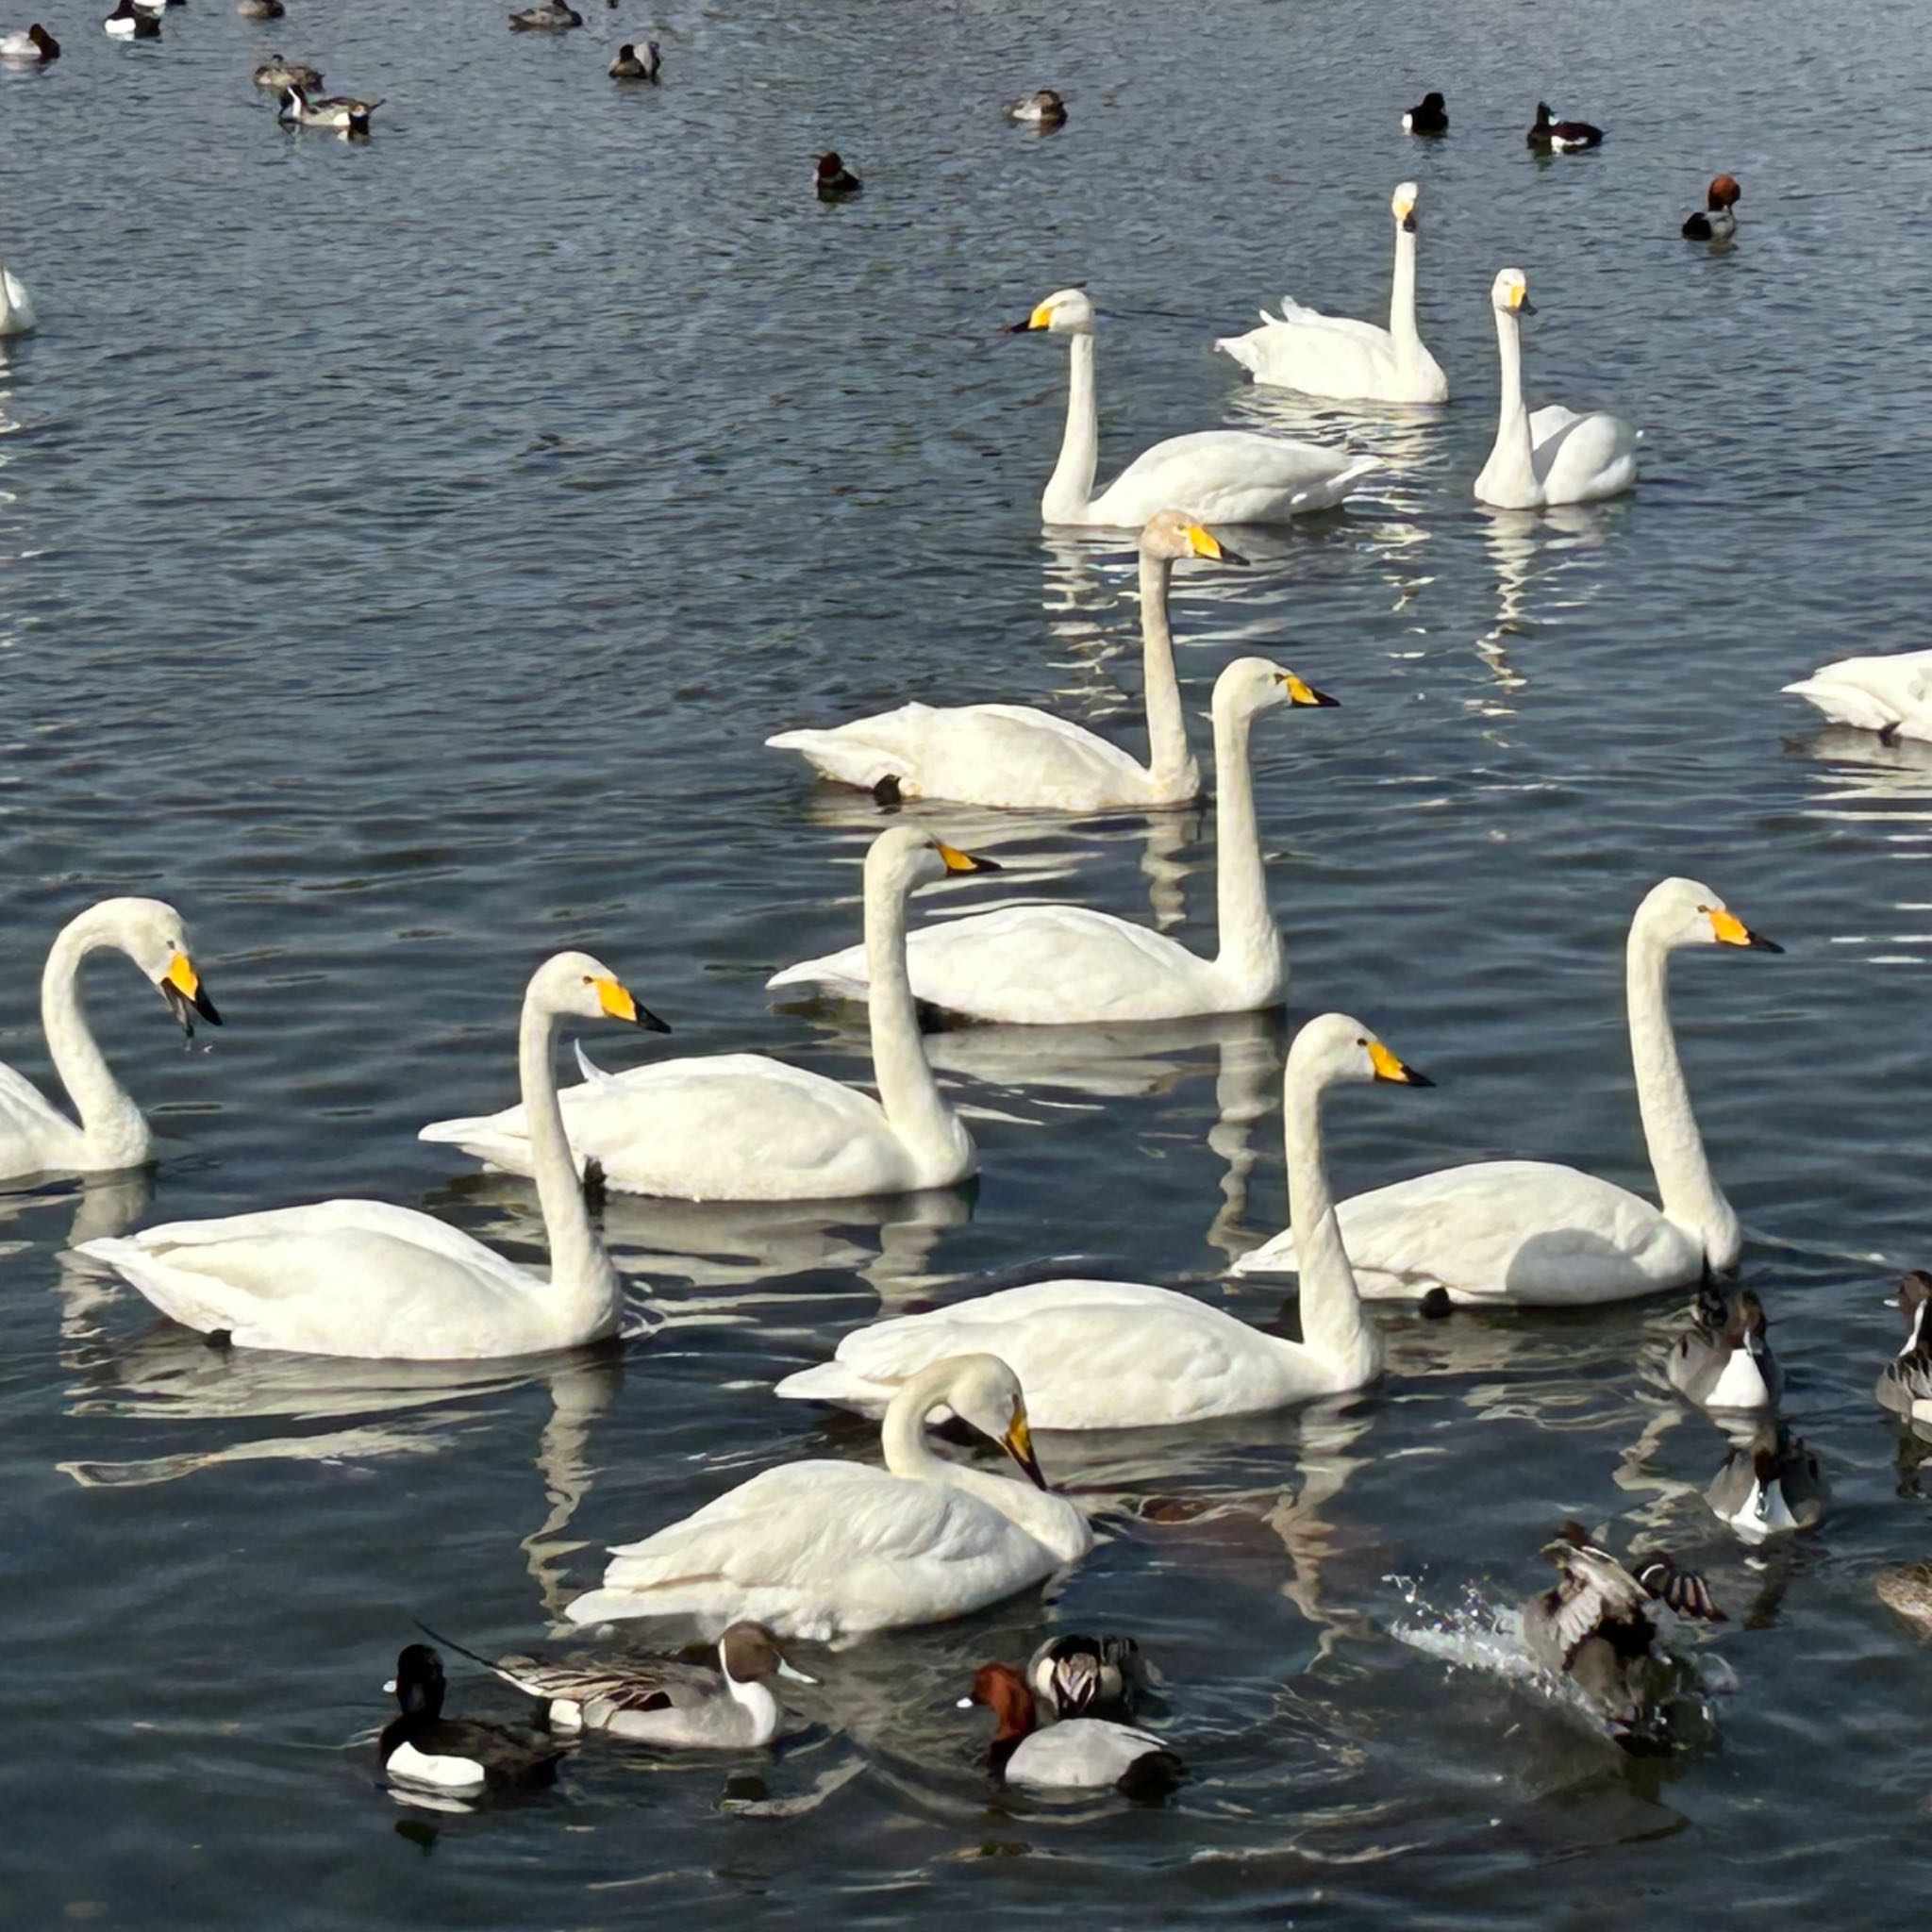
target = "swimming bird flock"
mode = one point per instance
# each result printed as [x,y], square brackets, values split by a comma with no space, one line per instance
[832,1550]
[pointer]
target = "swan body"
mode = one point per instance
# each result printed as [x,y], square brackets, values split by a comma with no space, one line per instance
[1891,695]
[1017,758]
[340,113]
[1041,965]
[1530,1233]
[17,317]
[370,1280]
[743,1128]
[1554,455]
[280,74]
[833,1549]
[1074,1754]
[1213,476]
[36,45]
[1117,1354]
[1714,221]
[36,1137]
[636,60]
[423,1749]
[1331,356]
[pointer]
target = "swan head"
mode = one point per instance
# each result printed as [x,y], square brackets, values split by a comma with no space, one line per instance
[1401,204]
[985,1394]
[1172,535]
[155,937]
[577,984]
[1253,685]
[1682,913]
[1509,293]
[1069,312]
[904,857]
[1333,1048]
[1723,193]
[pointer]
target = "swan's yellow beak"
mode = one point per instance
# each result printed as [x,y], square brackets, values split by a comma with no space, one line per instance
[1204,543]
[1404,209]
[1389,1068]
[963,862]
[1018,1443]
[1519,299]
[1041,318]
[1731,931]
[618,1004]
[1301,694]
[180,986]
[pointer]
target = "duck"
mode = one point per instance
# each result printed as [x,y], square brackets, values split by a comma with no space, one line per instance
[1041,109]
[743,1127]
[371,1280]
[340,112]
[131,23]
[110,1132]
[1722,1359]
[1554,455]
[1430,115]
[830,1551]
[660,1700]
[1563,137]
[1905,1384]
[17,316]
[1017,758]
[421,1747]
[1071,1676]
[1714,221]
[553,16]
[1533,1234]
[282,75]
[261,9]
[1037,964]
[1596,1629]
[1891,695]
[1353,361]
[636,60]
[1770,1485]
[834,180]
[36,45]
[1907,1590]
[1076,1753]
[1123,1355]
[1213,476]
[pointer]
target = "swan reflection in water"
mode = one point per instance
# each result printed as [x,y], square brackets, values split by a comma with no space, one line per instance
[1548,565]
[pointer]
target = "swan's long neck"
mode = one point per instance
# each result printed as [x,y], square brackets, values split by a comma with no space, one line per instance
[1690,1196]
[1170,764]
[6,300]
[578,1265]
[908,1091]
[902,1435]
[1333,1323]
[1402,327]
[1069,489]
[1250,940]
[110,1123]
[1509,460]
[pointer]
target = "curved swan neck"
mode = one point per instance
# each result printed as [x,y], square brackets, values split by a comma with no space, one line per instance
[902,1435]
[1402,328]
[1070,489]
[578,1264]
[1250,942]
[110,1123]
[910,1096]
[1170,764]
[1689,1195]
[1333,1323]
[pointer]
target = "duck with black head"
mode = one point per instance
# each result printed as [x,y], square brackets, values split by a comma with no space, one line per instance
[1071,1676]
[834,180]
[1905,1384]
[636,60]
[1430,115]
[131,23]
[1714,221]
[35,46]
[1043,109]
[1076,1753]
[1722,1360]
[1561,136]
[460,1756]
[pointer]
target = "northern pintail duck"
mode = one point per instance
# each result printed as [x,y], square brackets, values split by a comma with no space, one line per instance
[282,75]
[661,1699]
[1722,1359]
[1430,115]
[1714,221]
[636,60]
[1564,137]
[36,45]
[834,180]
[1770,1486]
[1905,1384]
[131,23]
[553,16]
[261,9]
[340,113]
[423,1748]
[1086,1676]
[1076,1754]
[1043,108]
[1596,1626]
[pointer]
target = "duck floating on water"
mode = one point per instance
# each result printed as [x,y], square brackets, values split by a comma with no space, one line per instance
[1562,137]
[1722,1359]
[131,23]
[282,75]
[1042,108]
[1770,1486]
[1714,221]
[37,45]
[1086,1676]
[553,16]
[834,180]
[340,112]
[1430,115]
[1073,1753]
[458,1756]
[261,9]
[1905,1384]
[636,60]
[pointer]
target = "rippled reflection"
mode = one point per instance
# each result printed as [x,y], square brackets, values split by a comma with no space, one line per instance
[1547,569]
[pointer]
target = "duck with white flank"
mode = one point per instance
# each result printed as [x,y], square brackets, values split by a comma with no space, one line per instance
[834,1550]
[553,16]
[1086,1676]
[339,113]
[636,60]
[1722,1359]
[261,9]
[1213,475]
[131,23]
[1596,1626]
[1714,221]
[279,74]
[459,1757]
[1043,109]
[833,180]
[1430,115]
[36,45]
[1121,1355]
[1770,1486]
[1076,1753]
[1561,136]
[1905,1385]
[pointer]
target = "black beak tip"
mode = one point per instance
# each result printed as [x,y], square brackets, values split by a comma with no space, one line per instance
[650,1021]
[1760,944]
[981,864]
[1416,1079]
[1408,225]
[1233,556]
[1017,328]
[205,1007]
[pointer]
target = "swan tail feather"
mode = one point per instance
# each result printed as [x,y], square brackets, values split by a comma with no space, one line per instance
[1242,350]
[833,1381]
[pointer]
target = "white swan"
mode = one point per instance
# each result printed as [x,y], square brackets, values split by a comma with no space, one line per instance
[1891,695]
[1016,756]
[365,1279]
[1555,456]
[1330,355]
[1534,1233]
[1118,1355]
[34,1137]
[743,1128]
[1039,965]
[17,317]
[833,1549]
[1215,476]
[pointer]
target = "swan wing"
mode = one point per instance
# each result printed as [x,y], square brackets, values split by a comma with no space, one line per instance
[1874,693]
[1324,356]
[33,1131]
[1582,459]
[1230,477]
